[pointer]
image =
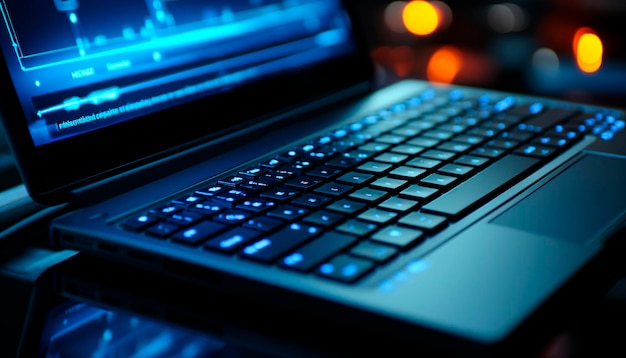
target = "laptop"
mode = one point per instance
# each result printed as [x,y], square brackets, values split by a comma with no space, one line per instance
[244,146]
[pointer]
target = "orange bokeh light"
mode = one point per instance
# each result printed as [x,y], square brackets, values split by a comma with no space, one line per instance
[444,65]
[588,50]
[420,17]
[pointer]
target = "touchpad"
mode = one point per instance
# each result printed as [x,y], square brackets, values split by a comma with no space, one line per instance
[576,204]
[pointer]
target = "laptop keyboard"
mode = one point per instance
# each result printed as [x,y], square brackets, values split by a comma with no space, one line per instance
[349,201]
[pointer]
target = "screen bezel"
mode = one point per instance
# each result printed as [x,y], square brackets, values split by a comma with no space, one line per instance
[51,171]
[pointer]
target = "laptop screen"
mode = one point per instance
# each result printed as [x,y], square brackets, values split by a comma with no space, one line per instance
[82,65]
[125,79]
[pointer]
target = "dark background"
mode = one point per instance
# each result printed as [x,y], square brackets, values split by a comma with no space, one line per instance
[501,44]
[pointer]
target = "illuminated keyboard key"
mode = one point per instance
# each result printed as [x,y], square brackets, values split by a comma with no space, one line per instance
[356,227]
[398,236]
[139,223]
[270,247]
[377,216]
[345,268]
[198,233]
[313,253]
[373,251]
[231,240]
[423,221]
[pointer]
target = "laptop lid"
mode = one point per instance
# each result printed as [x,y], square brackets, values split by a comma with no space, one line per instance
[94,89]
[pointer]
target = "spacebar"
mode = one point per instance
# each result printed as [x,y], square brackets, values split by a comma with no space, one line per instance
[476,189]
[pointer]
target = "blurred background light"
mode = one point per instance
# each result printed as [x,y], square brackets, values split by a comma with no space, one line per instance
[420,17]
[402,58]
[588,50]
[526,46]
[445,14]
[393,16]
[507,17]
[546,61]
[444,65]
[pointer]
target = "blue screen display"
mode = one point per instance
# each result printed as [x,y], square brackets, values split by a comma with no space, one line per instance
[80,65]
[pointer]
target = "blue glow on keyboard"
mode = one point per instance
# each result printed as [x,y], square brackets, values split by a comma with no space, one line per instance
[456,95]
[312,200]
[381,251]
[384,113]
[330,38]
[107,335]
[530,149]
[535,108]
[484,100]
[589,121]
[386,286]
[471,121]
[257,246]
[504,104]
[607,135]
[350,270]
[417,266]
[327,269]
[370,119]
[235,217]
[395,233]
[414,102]
[295,227]
[208,207]
[356,126]
[255,204]
[293,259]
[231,241]
[400,107]
[214,189]
[603,125]
[190,233]
[428,95]
[522,126]
[340,133]
[401,275]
